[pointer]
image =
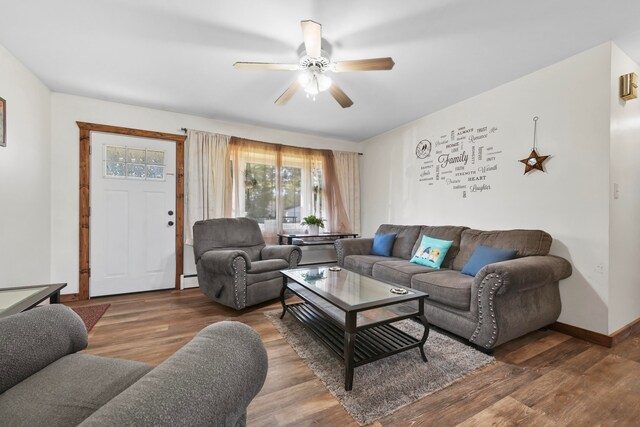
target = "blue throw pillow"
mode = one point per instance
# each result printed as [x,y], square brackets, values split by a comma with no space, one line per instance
[484,255]
[431,252]
[382,244]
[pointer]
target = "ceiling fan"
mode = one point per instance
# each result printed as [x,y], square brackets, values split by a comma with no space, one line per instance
[314,63]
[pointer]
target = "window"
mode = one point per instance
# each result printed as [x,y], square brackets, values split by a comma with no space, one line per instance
[260,191]
[291,195]
[133,163]
[277,186]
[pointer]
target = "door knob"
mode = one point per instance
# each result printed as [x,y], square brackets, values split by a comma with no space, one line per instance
[170,213]
[170,223]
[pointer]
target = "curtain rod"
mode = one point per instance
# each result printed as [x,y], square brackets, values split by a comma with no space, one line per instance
[185,131]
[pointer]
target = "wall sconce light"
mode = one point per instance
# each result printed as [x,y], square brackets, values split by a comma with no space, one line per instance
[629,86]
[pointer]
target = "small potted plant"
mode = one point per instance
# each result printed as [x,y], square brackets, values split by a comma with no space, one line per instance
[313,224]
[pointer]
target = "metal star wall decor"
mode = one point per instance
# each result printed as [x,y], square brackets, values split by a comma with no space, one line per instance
[534,161]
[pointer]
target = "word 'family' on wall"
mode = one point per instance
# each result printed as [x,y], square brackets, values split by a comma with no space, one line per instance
[463,160]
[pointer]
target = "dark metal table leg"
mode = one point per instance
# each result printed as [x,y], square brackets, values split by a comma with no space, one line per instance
[349,344]
[285,280]
[349,347]
[425,323]
[55,298]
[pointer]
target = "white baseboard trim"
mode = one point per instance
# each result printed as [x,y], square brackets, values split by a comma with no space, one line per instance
[188,282]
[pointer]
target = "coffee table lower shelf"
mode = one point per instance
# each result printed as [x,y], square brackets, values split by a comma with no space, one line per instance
[371,344]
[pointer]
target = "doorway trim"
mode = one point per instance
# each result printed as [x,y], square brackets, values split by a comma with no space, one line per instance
[85,193]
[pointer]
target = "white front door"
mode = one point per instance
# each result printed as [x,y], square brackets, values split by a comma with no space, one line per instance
[132,216]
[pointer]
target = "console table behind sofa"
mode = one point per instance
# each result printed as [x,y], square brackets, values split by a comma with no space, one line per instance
[323,239]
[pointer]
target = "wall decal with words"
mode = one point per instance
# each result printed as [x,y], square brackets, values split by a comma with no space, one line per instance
[463,159]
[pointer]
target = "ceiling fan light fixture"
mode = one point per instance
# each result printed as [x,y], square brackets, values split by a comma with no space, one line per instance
[305,78]
[324,82]
[315,60]
[314,82]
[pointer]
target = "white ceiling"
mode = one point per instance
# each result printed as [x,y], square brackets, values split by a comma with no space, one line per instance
[178,55]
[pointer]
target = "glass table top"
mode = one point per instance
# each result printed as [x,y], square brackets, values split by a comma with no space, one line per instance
[349,287]
[11,297]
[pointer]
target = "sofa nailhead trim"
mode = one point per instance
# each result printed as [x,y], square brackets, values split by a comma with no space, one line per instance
[492,292]
[339,253]
[240,282]
[294,258]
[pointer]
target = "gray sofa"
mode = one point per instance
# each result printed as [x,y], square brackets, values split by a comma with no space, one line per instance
[503,301]
[44,382]
[235,267]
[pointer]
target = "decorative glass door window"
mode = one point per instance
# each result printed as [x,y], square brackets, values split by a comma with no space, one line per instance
[133,163]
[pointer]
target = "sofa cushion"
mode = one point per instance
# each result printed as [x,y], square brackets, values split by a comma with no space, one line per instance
[450,288]
[406,236]
[442,232]
[399,271]
[268,265]
[252,279]
[484,255]
[383,244]
[363,264]
[68,390]
[526,242]
[264,270]
[431,252]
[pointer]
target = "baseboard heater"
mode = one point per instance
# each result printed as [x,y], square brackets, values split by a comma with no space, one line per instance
[188,281]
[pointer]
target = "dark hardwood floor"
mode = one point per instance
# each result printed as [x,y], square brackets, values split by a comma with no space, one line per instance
[543,379]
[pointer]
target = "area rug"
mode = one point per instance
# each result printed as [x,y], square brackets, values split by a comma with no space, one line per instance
[90,314]
[386,385]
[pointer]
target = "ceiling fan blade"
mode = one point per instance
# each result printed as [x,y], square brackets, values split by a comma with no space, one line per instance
[287,94]
[364,65]
[312,33]
[340,96]
[266,66]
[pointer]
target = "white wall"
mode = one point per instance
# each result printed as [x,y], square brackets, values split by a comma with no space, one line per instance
[25,190]
[569,201]
[579,111]
[67,109]
[624,210]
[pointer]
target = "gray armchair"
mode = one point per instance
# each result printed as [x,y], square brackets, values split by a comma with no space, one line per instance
[235,267]
[45,382]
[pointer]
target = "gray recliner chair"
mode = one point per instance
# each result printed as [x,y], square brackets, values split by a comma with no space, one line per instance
[235,266]
[45,382]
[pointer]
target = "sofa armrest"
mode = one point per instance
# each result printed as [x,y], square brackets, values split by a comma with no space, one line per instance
[222,269]
[525,273]
[36,338]
[210,381]
[222,262]
[346,247]
[512,298]
[290,253]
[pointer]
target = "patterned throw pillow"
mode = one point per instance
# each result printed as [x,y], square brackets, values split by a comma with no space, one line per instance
[431,252]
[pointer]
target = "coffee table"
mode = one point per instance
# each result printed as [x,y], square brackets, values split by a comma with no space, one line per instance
[17,300]
[352,314]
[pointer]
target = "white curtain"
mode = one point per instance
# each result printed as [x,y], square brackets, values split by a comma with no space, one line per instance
[277,185]
[208,174]
[347,166]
